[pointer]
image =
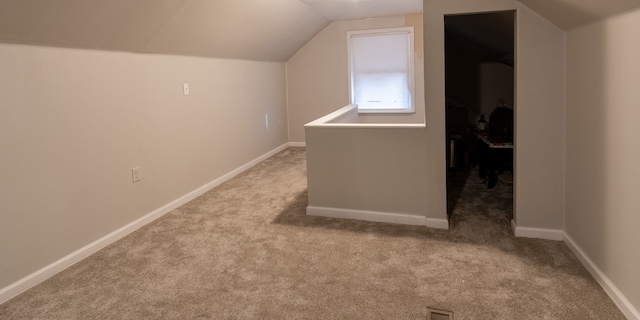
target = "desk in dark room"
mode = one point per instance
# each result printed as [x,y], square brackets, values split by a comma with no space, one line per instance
[492,158]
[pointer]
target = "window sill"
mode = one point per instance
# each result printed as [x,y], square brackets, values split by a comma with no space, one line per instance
[385,111]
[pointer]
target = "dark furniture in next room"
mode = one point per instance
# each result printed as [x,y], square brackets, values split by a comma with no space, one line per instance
[493,158]
[494,148]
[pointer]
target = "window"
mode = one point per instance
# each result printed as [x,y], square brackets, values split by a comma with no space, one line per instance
[381,70]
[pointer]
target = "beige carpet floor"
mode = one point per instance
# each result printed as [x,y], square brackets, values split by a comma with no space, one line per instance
[246,250]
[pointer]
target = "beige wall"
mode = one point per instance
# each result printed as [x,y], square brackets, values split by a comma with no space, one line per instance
[540,102]
[74,122]
[372,169]
[540,121]
[318,79]
[603,176]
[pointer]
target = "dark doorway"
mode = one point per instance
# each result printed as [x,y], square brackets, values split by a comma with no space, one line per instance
[480,99]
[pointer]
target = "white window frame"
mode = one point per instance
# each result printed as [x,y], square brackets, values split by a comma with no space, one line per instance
[410,73]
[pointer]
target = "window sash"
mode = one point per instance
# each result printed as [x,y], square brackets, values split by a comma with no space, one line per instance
[381,70]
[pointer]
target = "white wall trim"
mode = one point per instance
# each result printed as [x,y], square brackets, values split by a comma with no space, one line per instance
[297,144]
[35,278]
[537,233]
[437,223]
[376,216]
[614,293]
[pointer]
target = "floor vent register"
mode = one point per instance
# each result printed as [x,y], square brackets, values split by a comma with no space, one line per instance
[439,314]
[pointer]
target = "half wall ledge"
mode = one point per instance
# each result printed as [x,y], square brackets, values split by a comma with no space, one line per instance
[368,171]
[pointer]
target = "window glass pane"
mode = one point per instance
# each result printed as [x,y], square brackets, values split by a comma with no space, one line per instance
[382,91]
[380,71]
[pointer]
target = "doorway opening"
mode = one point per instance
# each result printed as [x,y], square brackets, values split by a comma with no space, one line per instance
[480,102]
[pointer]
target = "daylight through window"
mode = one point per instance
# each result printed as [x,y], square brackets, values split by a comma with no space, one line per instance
[381,70]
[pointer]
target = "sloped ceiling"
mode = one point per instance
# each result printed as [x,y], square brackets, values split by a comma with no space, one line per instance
[356,9]
[569,14]
[263,30]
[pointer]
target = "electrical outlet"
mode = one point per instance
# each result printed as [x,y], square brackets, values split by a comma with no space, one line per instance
[135,174]
[185,89]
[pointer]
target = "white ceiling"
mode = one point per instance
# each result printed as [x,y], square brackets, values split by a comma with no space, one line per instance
[569,14]
[263,30]
[355,9]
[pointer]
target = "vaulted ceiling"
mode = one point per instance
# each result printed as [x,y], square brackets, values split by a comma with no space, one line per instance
[264,30]
[569,14]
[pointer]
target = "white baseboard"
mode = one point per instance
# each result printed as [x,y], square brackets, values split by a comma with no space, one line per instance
[537,233]
[437,223]
[376,216]
[297,144]
[35,278]
[618,298]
